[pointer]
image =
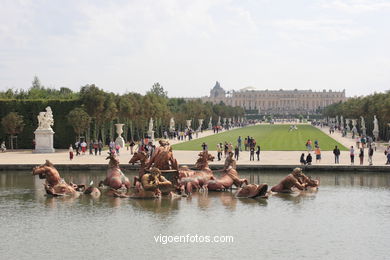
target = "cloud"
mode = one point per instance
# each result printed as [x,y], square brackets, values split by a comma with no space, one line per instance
[357,6]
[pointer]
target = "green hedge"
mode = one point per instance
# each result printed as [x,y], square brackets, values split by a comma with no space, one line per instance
[29,109]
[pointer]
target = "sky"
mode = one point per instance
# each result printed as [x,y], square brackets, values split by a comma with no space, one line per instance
[188,45]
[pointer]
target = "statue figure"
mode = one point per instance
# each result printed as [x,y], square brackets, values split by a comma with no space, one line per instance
[172,125]
[363,128]
[219,121]
[342,122]
[151,125]
[375,132]
[354,129]
[210,123]
[297,180]
[45,119]
[347,124]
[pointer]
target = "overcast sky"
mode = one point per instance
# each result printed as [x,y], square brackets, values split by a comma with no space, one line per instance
[126,46]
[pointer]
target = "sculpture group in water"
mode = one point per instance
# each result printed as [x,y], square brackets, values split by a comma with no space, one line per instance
[161,175]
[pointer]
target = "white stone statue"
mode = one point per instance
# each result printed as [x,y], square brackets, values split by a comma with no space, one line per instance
[45,119]
[219,121]
[354,129]
[375,132]
[150,125]
[200,121]
[211,123]
[119,140]
[172,125]
[342,122]
[188,123]
[363,124]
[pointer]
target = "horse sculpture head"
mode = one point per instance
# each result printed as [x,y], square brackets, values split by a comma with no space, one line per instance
[139,156]
[204,158]
[114,162]
[42,170]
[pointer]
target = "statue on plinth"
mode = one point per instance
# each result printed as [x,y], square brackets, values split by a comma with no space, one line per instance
[150,130]
[44,133]
[171,125]
[363,124]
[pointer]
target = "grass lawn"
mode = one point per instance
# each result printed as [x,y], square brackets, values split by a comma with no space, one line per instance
[269,137]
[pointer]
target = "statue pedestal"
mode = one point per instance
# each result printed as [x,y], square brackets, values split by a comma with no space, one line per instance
[119,140]
[151,135]
[364,131]
[376,134]
[44,141]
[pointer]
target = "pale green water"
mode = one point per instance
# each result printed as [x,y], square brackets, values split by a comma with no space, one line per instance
[348,218]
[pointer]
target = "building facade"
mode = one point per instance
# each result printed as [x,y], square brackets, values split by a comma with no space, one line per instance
[281,101]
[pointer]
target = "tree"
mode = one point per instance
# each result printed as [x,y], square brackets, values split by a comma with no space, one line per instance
[36,83]
[13,124]
[158,90]
[80,120]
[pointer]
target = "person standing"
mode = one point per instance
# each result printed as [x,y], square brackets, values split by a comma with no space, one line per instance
[336,152]
[239,141]
[219,151]
[370,154]
[317,151]
[204,147]
[95,146]
[246,144]
[70,152]
[387,153]
[258,152]
[100,146]
[252,153]
[225,149]
[90,146]
[236,152]
[77,147]
[361,155]
[352,155]
[302,159]
[309,159]
[83,147]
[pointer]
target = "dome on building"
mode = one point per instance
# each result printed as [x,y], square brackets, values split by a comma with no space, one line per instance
[248,89]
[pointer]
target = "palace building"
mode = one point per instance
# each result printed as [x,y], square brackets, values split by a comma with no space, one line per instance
[281,101]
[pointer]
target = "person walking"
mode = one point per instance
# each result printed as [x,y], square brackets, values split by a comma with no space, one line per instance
[70,152]
[258,152]
[3,148]
[370,154]
[236,152]
[361,155]
[352,155]
[77,147]
[90,146]
[387,153]
[204,147]
[83,147]
[302,159]
[317,151]
[225,148]
[246,144]
[252,154]
[336,152]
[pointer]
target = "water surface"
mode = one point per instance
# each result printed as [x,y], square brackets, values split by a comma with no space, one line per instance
[348,218]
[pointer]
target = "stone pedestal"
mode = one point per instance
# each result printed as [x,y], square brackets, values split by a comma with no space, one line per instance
[44,141]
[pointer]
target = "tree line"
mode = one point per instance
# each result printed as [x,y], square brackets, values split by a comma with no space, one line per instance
[377,104]
[93,112]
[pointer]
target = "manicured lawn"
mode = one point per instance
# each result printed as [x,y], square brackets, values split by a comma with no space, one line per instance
[269,137]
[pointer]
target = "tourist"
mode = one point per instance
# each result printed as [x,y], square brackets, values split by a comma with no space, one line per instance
[363,141]
[361,155]
[230,148]
[246,144]
[219,151]
[95,146]
[302,159]
[308,145]
[309,159]
[358,142]
[112,146]
[236,152]
[83,147]
[387,153]
[352,155]
[258,152]
[100,146]
[252,154]
[90,145]
[370,154]
[3,148]
[204,147]
[225,149]
[239,141]
[132,144]
[317,152]
[77,147]
[336,152]
[70,152]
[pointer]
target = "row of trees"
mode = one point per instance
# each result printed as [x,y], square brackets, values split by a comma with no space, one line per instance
[376,104]
[93,111]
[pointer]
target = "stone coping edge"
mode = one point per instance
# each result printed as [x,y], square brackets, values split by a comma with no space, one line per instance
[315,168]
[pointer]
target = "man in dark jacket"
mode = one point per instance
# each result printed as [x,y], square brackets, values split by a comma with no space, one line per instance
[336,152]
